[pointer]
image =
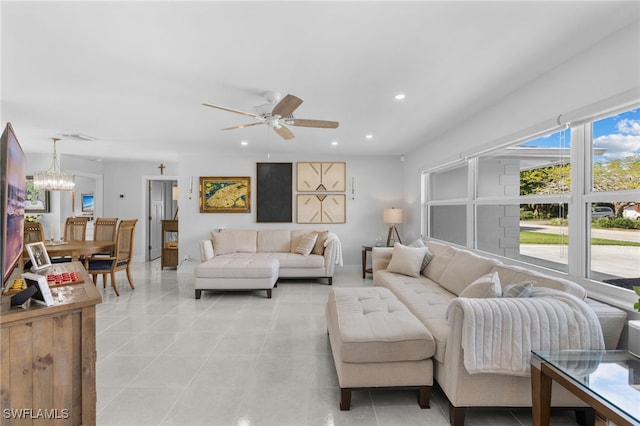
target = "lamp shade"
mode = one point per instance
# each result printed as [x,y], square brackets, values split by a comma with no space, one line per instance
[392,216]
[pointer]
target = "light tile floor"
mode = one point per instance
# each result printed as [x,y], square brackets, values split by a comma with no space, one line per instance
[240,359]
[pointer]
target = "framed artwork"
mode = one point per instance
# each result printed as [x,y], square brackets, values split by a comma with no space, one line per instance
[225,194]
[38,255]
[36,201]
[321,208]
[321,177]
[274,198]
[87,202]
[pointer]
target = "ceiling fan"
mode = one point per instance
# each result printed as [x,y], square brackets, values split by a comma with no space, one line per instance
[280,116]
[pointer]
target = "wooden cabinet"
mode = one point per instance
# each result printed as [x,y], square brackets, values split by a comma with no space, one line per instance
[169,256]
[48,356]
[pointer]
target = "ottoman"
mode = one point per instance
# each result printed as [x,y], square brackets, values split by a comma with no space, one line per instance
[377,342]
[236,273]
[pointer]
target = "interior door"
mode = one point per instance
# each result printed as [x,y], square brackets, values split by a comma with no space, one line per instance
[156,214]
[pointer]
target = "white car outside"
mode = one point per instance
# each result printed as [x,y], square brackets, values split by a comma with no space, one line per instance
[631,212]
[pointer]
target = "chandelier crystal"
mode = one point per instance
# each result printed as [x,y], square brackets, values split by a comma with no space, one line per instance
[54,179]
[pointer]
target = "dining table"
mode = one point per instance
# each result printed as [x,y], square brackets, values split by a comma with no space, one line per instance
[78,249]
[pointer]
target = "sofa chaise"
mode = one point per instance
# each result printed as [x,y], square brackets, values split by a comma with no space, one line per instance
[461,317]
[256,259]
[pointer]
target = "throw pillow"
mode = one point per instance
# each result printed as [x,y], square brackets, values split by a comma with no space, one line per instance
[318,248]
[406,260]
[522,289]
[428,257]
[306,244]
[484,287]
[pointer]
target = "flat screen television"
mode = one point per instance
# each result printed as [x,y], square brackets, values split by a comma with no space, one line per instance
[13,165]
[87,202]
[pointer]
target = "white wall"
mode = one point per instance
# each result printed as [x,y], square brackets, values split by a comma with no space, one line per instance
[610,68]
[125,196]
[378,184]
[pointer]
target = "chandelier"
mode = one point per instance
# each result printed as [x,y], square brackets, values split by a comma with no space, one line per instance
[54,179]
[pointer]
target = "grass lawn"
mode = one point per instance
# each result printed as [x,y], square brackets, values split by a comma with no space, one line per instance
[528,237]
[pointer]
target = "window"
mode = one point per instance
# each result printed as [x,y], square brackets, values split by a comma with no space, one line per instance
[568,201]
[614,228]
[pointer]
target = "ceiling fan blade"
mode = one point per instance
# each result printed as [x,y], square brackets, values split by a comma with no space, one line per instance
[286,106]
[233,110]
[284,132]
[241,126]
[304,122]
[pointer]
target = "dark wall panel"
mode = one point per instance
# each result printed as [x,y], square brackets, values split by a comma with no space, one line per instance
[274,192]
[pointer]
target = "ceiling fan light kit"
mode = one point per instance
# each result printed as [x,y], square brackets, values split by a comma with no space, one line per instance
[280,116]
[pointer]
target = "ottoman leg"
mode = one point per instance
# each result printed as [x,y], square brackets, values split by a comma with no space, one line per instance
[198,294]
[423,397]
[345,399]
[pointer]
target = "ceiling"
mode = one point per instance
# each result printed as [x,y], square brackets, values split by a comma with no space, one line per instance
[133,75]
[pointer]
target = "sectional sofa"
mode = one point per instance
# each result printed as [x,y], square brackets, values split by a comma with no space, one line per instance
[256,259]
[483,338]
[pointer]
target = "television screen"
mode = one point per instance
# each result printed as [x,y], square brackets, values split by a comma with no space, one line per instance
[13,180]
[87,202]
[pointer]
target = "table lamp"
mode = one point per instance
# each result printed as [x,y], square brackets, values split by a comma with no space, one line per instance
[392,217]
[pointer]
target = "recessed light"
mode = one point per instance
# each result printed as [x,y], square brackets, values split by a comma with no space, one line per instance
[334,143]
[399,96]
[369,136]
[244,143]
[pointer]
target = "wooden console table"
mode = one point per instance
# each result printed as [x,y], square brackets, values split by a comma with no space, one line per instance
[48,355]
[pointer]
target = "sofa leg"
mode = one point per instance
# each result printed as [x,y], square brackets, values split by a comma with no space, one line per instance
[423,396]
[198,294]
[345,399]
[268,293]
[456,415]
[330,280]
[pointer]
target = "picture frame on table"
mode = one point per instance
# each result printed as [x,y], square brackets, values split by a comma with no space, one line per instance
[225,194]
[38,255]
[36,200]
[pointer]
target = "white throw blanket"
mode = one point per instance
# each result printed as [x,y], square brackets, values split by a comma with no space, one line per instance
[499,334]
[333,238]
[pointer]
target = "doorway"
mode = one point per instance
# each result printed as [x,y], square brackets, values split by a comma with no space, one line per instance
[160,206]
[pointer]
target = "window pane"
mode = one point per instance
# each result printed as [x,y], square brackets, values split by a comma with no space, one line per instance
[616,152]
[545,164]
[449,184]
[533,233]
[448,223]
[536,167]
[615,243]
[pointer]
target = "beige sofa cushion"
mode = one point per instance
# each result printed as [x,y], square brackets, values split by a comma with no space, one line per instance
[233,241]
[463,269]
[319,247]
[442,255]
[237,266]
[374,326]
[306,243]
[425,299]
[510,274]
[484,287]
[407,260]
[274,241]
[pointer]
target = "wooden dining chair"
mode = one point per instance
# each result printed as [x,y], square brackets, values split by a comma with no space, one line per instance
[105,228]
[33,233]
[120,261]
[75,229]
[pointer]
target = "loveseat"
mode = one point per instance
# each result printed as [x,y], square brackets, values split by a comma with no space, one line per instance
[433,287]
[256,259]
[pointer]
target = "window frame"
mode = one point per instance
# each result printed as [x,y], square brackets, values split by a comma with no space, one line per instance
[579,198]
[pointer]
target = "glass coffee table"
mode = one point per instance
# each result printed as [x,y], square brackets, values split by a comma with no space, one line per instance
[609,381]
